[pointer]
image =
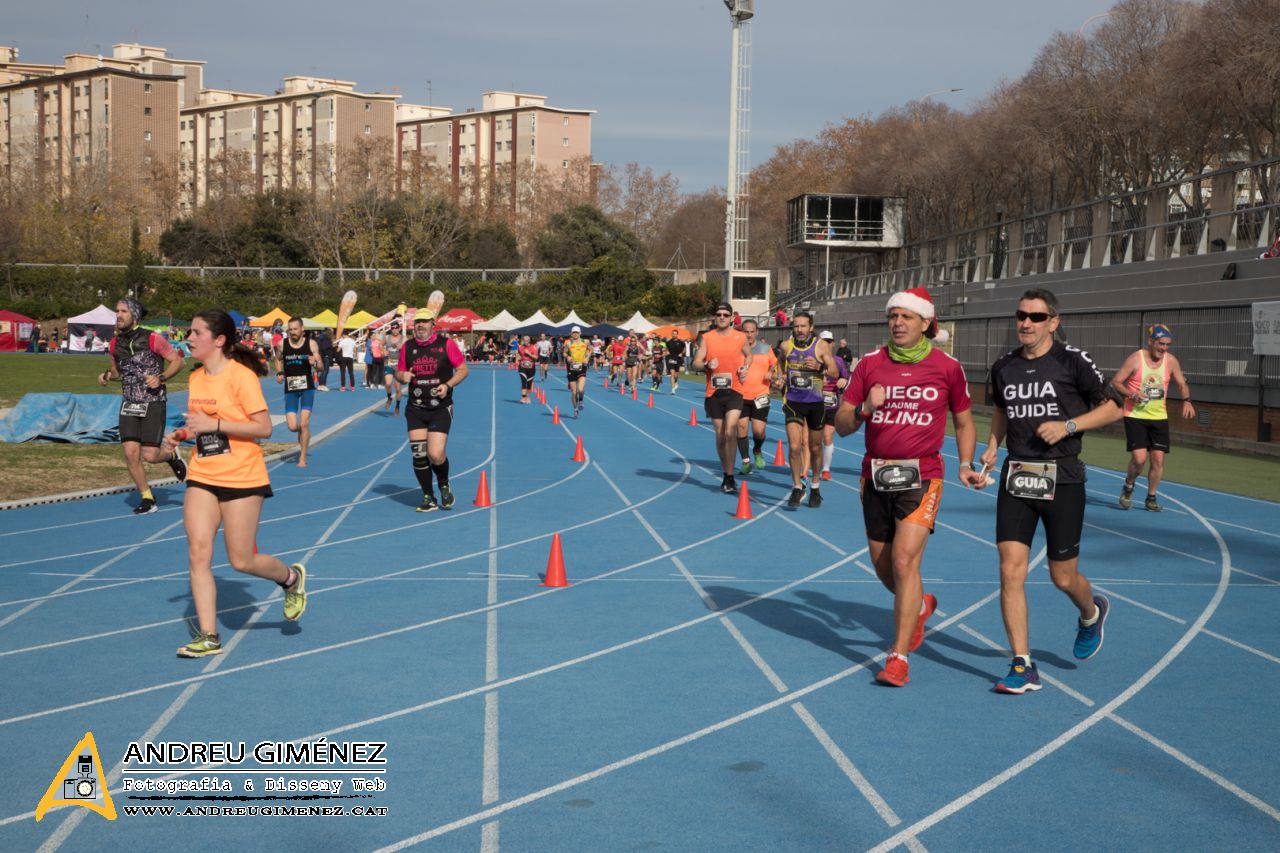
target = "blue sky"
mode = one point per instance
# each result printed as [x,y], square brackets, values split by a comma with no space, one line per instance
[656,71]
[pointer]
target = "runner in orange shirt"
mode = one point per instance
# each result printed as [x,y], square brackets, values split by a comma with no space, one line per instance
[755,397]
[227,479]
[724,355]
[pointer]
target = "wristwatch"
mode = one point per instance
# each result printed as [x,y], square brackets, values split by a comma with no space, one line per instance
[1071,427]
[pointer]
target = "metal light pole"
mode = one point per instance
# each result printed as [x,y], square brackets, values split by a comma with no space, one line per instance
[737,207]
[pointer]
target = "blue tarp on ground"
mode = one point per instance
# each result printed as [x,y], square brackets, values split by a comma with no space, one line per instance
[72,418]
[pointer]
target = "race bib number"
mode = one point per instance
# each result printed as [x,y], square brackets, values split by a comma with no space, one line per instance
[800,380]
[762,402]
[525,365]
[1155,392]
[295,383]
[134,410]
[212,444]
[577,366]
[1034,480]
[421,395]
[830,400]
[721,381]
[895,475]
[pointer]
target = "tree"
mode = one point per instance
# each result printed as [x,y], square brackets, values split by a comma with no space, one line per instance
[581,234]
[491,247]
[645,202]
[135,274]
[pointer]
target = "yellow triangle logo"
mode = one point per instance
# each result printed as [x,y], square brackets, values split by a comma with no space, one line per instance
[80,782]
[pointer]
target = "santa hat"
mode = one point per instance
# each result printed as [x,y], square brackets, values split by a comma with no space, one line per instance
[918,301]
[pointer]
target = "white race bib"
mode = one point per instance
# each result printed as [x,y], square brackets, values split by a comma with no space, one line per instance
[895,475]
[1034,480]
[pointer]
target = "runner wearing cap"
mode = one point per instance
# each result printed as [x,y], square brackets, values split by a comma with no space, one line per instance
[1046,394]
[832,390]
[617,359]
[807,361]
[724,355]
[544,346]
[902,392]
[1143,380]
[394,341]
[577,354]
[526,366]
[296,365]
[432,366]
[142,360]
[755,398]
[675,360]
[227,416]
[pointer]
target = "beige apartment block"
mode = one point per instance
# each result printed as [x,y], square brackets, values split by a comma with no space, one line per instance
[236,142]
[88,111]
[487,153]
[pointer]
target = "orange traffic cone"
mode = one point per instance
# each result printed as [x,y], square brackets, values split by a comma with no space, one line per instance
[555,415]
[482,492]
[622,389]
[579,455]
[555,564]
[780,458]
[693,417]
[744,503]
[606,382]
[635,394]
[651,399]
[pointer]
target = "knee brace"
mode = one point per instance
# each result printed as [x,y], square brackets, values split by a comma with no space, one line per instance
[419,451]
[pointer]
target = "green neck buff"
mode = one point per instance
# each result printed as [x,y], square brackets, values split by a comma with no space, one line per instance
[911,355]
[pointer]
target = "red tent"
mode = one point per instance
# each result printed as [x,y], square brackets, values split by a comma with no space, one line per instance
[458,320]
[16,331]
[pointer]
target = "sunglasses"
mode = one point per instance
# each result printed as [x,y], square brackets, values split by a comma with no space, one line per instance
[723,314]
[1033,316]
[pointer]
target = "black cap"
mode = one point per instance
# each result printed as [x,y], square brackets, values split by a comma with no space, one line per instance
[722,306]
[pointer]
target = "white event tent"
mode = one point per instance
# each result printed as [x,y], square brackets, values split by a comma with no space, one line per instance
[637,323]
[500,323]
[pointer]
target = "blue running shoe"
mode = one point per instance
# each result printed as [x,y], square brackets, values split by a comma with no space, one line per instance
[1089,640]
[1020,678]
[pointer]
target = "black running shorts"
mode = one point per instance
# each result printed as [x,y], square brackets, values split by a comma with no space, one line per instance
[227,493]
[526,378]
[754,412]
[1063,517]
[722,402]
[1144,434]
[882,512]
[147,430]
[810,414]
[432,420]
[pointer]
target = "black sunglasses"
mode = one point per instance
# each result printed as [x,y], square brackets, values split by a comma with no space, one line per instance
[723,314]
[1033,316]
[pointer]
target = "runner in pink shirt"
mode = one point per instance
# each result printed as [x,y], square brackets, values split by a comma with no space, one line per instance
[903,391]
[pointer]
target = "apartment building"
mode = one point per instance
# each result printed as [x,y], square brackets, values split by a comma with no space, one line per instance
[291,139]
[485,153]
[118,110]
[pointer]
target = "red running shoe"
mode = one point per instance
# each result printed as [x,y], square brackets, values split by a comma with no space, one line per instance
[917,636]
[894,673]
[826,475]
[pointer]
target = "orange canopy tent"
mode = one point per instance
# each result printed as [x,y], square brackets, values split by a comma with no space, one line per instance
[266,321]
[671,330]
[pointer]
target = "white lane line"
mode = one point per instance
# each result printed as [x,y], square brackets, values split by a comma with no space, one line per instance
[489,789]
[1075,731]
[89,575]
[859,781]
[842,761]
[1241,646]
[1155,611]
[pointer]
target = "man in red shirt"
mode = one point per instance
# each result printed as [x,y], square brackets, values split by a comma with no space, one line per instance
[902,391]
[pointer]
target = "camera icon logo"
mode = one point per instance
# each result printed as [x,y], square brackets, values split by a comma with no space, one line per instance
[82,786]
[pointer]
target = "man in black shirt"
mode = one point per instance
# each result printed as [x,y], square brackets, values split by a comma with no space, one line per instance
[845,352]
[1046,394]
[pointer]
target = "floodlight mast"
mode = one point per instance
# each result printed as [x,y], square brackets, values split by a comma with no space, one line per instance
[737,205]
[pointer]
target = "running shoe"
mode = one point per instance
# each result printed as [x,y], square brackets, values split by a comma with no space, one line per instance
[388,408]
[797,495]
[746,467]
[1020,678]
[728,485]
[295,600]
[201,645]
[917,636]
[894,673]
[1089,639]
[1126,496]
[145,507]
[826,475]
[322,387]
[1152,505]
[178,467]
[759,461]
[428,503]
[446,498]
[397,411]
[815,498]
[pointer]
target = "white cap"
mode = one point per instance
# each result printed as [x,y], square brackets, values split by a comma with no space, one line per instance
[827,336]
[575,329]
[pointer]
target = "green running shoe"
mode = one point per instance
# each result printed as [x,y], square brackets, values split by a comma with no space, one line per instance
[746,468]
[295,600]
[201,645]
[759,461]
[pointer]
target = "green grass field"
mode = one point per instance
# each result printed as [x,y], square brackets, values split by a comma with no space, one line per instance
[78,374]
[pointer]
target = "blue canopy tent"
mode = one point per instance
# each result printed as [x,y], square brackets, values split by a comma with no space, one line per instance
[540,329]
[604,330]
[237,318]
